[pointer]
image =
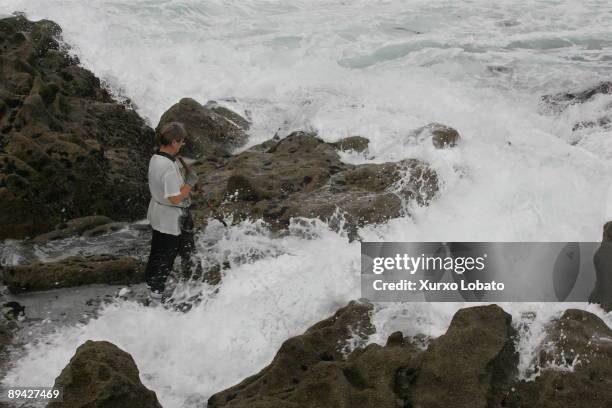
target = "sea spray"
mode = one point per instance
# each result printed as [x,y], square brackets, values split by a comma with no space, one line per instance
[378,69]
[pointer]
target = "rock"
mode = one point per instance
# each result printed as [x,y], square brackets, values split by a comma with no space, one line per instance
[230,115]
[213,131]
[442,136]
[365,380]
[302,176]
[73,271]
[603,122]
[104,229]
[356,143]
[67,148]
[602,293]
[76,226]
[473,365]
[395,339]
[574,363]
[305,363]
[13,310]
[562,100]
[470,366]
[101,375]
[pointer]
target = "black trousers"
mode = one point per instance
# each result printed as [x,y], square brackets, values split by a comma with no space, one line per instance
[164,249]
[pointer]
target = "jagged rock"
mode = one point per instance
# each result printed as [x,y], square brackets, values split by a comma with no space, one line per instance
[562,100]
[604,122]
[213,131]
[309,362]
[473,365]
[602,293]
[470,366]
[67,149]
[575,366]
[441,136]
[73,271]
[104,229]
[356,143]
[365,380]
[228,114]
[101,375]
[302,176]
[76,226]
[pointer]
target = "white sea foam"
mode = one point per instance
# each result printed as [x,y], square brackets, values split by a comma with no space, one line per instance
[375,68]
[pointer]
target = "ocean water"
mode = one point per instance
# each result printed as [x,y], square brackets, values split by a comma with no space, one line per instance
[374,68]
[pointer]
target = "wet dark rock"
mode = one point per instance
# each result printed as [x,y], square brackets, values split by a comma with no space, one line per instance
[310,369]
[470,366]
[473,365]
[575,366]
[602,292]
[67,149]
[213,131]
[356,143]
[104,229]
[73,271]
[303,176]
[562,100]
[441,136]
[73,227]
[604,122]
[395,339]
[228,114]
[13,310]
[101,375]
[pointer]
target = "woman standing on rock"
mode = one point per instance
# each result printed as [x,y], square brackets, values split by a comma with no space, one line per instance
[170,184]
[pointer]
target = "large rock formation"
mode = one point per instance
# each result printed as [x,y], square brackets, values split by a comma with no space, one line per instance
[100,375]
[303,176]
[470,366]
[212,131]
[575,363]
[67,148]
[302,364]
[73,271]
[473,365]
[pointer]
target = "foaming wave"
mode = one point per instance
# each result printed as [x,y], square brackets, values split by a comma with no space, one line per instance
[379,69]
[233,333]
[431,320]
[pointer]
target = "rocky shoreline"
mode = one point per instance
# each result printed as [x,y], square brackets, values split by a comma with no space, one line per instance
[474,364]
[73,163]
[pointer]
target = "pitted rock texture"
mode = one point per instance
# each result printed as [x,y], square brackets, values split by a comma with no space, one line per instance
[67,148]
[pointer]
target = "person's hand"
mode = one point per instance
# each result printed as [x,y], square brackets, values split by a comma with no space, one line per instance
[192,179]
